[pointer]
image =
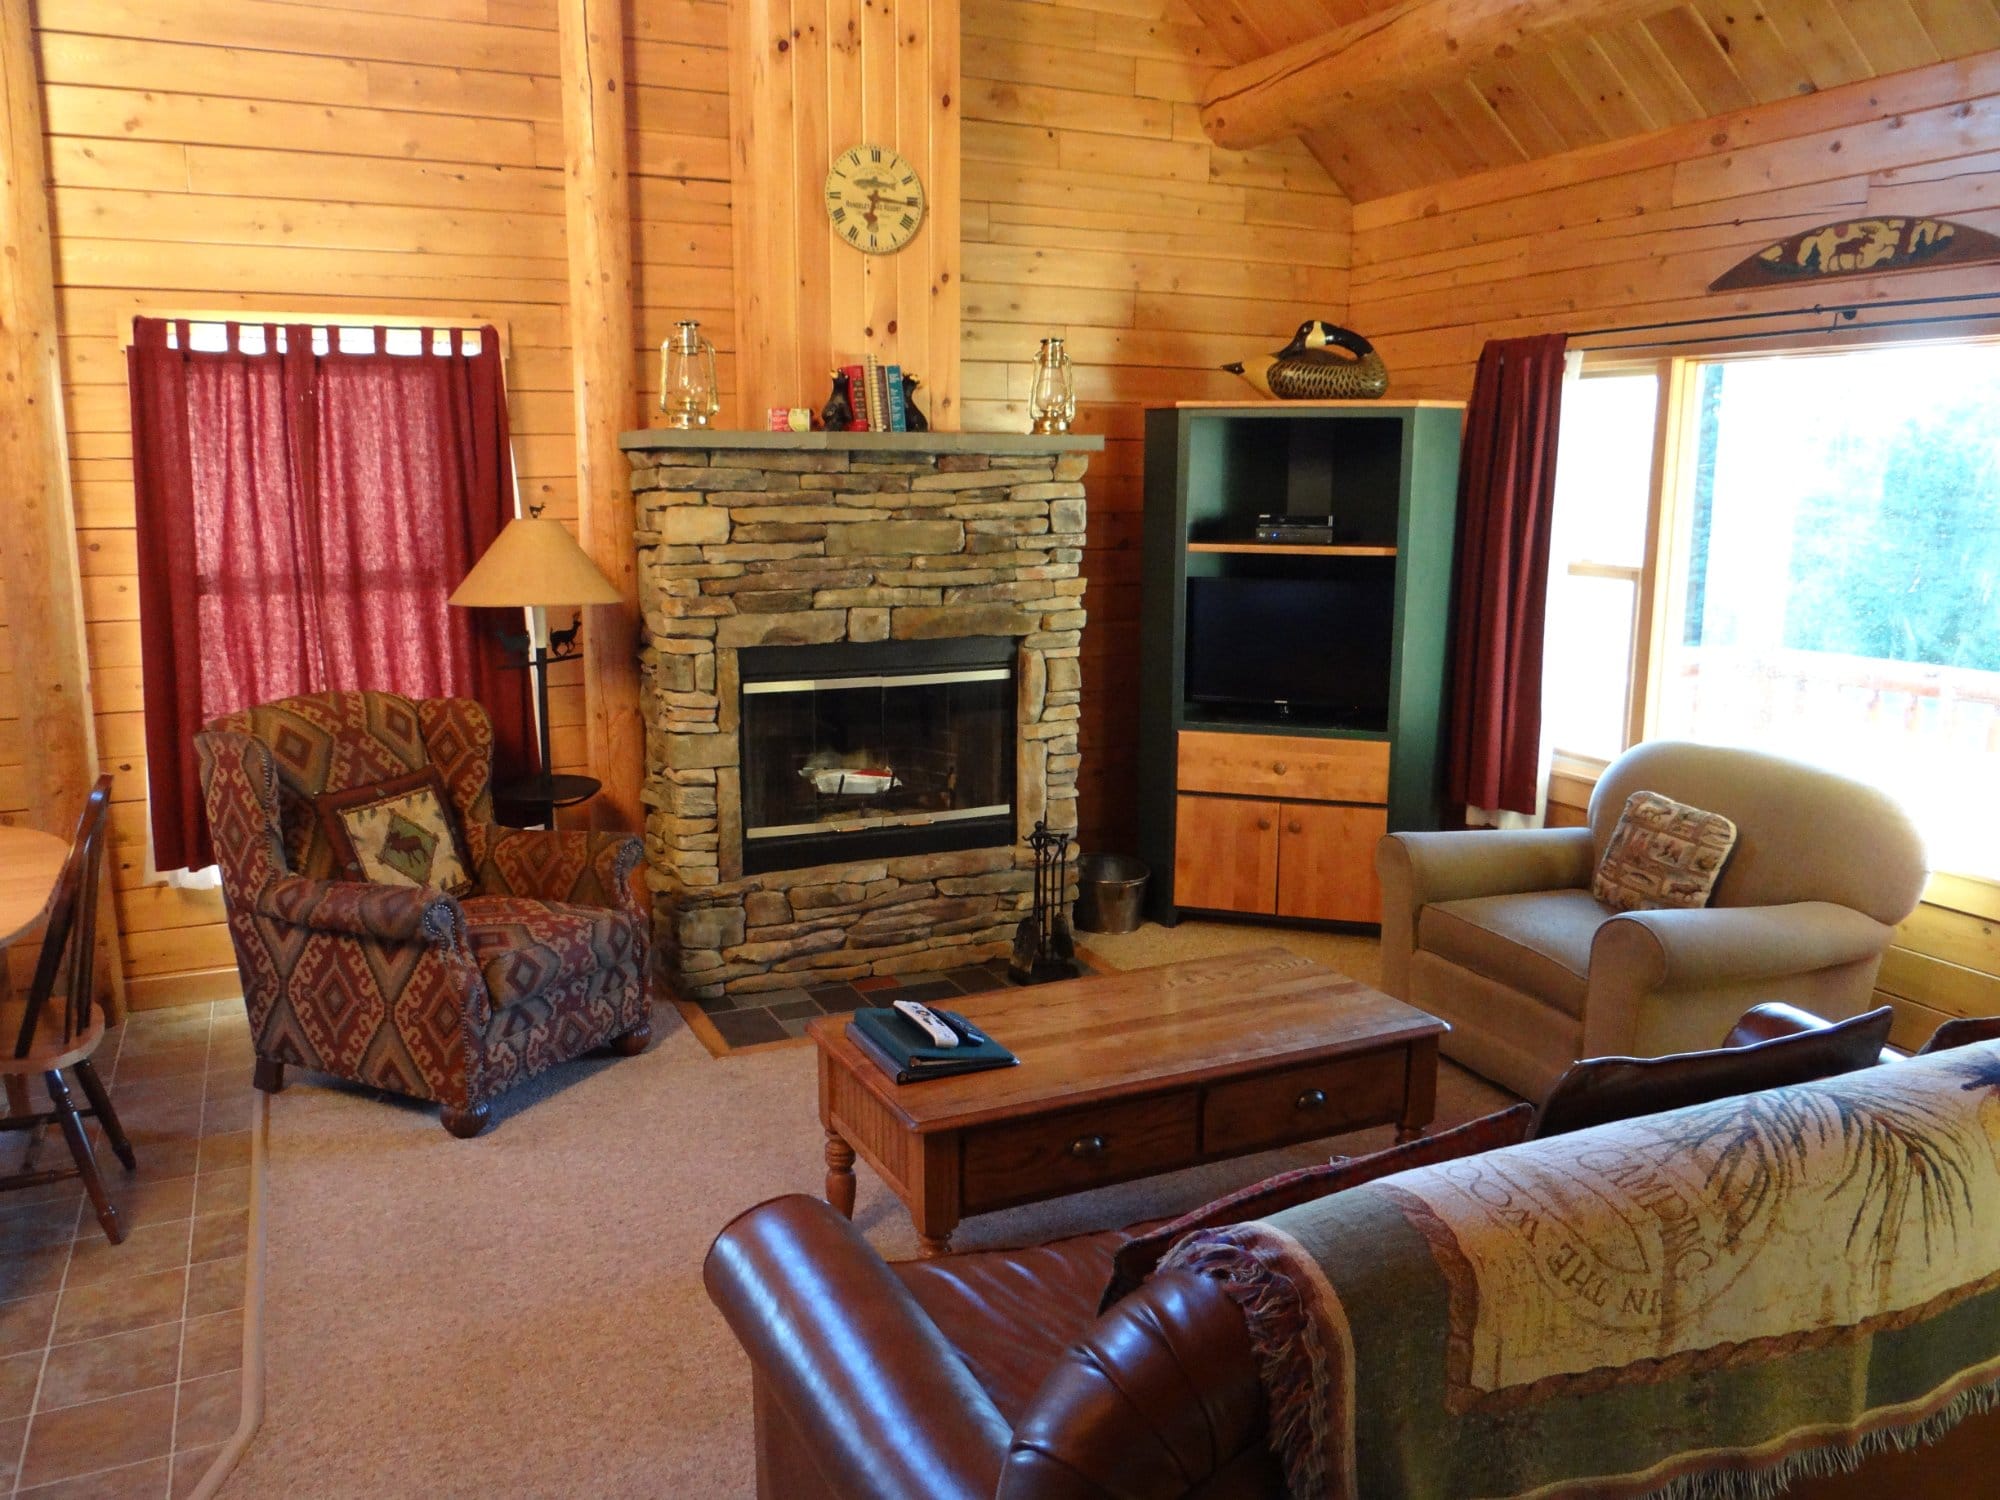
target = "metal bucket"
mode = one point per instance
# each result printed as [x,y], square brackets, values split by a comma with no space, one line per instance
[1110,892]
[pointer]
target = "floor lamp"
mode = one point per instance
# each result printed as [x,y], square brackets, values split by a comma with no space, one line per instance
[537,565]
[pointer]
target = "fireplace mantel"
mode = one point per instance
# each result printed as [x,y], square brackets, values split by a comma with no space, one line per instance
[1007,444]
[755,539]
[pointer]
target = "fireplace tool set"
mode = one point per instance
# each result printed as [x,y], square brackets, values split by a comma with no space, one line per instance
[1043,948]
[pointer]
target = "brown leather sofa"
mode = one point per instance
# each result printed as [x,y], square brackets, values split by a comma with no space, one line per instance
[991,1374]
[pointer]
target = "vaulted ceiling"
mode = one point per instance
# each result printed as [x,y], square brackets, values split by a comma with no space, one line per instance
[1686,63]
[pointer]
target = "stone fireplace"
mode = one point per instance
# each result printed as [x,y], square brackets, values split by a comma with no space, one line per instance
[861,691]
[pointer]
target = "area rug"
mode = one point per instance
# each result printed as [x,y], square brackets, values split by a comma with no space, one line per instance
[522,1313]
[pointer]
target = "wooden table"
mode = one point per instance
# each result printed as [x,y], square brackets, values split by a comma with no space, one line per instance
[1126,1075]
[30,863]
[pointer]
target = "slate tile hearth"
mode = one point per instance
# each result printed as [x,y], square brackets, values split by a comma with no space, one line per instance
[780,1015]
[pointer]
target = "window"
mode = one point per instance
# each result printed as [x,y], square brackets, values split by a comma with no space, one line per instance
[1827,571]
[1597,555]
[1834,576]
[306,500]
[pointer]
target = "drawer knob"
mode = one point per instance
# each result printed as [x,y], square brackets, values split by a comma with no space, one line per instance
[1311,1099]
[1263,825]
[1297,827]
[1278,768]
[1087,1146]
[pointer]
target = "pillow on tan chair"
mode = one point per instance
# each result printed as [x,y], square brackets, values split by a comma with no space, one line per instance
[1599,1090]
[1662,853]
[1140,1256]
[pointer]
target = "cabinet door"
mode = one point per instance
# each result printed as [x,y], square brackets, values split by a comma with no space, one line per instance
[1326,861]
[1226,854]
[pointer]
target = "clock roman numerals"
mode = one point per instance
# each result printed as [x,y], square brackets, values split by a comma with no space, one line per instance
[874,199]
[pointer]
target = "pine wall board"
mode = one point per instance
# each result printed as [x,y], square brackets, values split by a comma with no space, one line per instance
[1096,209]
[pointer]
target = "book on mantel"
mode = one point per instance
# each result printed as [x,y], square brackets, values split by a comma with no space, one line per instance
[904,1051]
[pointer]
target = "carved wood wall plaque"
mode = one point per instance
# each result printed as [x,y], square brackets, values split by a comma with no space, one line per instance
[1860,247]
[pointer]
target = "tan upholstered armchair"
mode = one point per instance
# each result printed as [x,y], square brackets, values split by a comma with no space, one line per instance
[1497,932]
[404,987]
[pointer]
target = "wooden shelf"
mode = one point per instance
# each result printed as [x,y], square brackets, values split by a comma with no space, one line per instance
[1291,549]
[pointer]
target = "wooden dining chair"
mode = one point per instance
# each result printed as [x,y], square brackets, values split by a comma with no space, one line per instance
[63,1023]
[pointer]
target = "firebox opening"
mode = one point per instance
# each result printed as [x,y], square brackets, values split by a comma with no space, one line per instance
[872,750]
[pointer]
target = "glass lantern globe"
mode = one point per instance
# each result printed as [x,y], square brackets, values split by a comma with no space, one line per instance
[689,393]
[1052,397]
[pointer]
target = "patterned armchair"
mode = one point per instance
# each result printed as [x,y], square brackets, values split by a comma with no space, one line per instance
[407,988]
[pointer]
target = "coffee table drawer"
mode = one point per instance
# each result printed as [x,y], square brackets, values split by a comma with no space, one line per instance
[1079,1148]
[1297,1104]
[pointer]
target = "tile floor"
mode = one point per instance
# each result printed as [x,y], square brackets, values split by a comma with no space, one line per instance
[777,1015]
[121,1365]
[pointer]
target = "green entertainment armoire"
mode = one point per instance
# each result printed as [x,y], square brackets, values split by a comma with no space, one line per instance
[1298,579]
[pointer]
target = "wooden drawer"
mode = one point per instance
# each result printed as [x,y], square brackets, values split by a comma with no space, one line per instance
[1079,1148]
[1270,765]
[1297,1104]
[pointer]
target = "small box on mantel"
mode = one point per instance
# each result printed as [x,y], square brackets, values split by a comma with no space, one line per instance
[791,419]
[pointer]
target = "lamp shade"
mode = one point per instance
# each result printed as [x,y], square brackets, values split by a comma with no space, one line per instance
[532,562]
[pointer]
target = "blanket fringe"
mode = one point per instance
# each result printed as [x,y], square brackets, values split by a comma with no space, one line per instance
[1281,1327]
[1772,1482]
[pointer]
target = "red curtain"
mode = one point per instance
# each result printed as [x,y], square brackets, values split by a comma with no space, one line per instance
[302,518]
[1506,500]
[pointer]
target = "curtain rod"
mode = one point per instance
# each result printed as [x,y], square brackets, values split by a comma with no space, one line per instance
[1843,309]
[1787,333]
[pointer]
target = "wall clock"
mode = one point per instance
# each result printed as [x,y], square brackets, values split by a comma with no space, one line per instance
[874,199]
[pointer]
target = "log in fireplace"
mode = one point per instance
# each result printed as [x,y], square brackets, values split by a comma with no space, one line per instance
[873,750]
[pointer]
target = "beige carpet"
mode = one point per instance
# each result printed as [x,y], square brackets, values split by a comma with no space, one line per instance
[522,1314]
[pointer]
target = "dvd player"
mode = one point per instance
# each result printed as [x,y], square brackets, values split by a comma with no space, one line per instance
[1309,531]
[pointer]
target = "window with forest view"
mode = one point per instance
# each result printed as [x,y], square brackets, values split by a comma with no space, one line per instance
[1833,589]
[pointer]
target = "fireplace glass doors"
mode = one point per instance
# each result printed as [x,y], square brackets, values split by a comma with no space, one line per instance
[887,749]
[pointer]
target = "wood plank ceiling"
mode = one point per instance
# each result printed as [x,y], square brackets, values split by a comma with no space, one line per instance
[1687,63]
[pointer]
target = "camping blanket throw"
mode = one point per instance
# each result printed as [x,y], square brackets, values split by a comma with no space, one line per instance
[1699,1305]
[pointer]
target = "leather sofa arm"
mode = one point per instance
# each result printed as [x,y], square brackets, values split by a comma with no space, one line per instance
[1160,1399]
[361,908]
[1707,945]
[878,1397]
[1771,1020]
[1774,1018]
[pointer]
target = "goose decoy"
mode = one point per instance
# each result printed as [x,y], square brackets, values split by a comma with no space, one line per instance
[1321,363]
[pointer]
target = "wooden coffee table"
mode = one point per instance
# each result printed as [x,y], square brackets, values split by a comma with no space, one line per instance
[1125,1075]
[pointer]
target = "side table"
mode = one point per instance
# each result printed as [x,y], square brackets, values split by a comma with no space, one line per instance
[531,801]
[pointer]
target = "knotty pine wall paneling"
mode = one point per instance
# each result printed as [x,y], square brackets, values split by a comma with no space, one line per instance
[811,78]
[1095,208]
[1633,232]
[339,158]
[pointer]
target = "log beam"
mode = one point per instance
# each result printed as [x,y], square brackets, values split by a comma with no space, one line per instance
[38,559]
[1417,45]
[597,204]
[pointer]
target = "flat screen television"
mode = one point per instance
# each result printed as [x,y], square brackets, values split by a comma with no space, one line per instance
[1314,651]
